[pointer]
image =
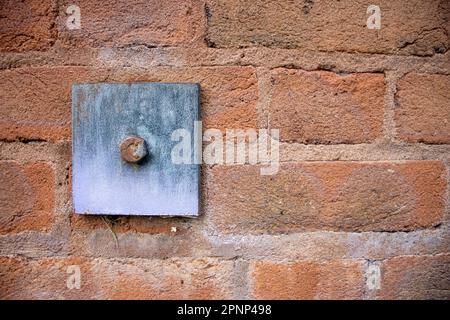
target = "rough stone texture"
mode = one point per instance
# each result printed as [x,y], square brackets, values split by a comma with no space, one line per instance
[44,279]
[36,102]
[348,196]
[27,25]
[116,279]
[308,280]
[26,196]
[127,23]
[407,27]
[123,224]
[323,107]
[423,108]
[416,277]
[365,149]
[177,279]
[102,243]
[228,94]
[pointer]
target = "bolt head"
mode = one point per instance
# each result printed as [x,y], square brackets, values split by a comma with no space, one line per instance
[133,149]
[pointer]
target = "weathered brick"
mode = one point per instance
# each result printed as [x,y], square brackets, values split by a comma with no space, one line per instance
[122,224]
[423,108]
[102,243]
[324,107]
[27,196]
[263,226]
[388,196]
[338,196]
[36,102]
[228,94]
[170,279]
[340,279]
[416,277]
[124,23]
[116,278]
[45,279]
[407,27]
[27,25]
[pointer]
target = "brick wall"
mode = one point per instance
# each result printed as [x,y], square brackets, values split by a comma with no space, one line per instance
[358,210]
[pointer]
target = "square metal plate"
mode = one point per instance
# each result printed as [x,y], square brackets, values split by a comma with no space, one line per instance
[105,114]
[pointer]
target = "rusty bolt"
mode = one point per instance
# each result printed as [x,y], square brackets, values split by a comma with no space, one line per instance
[133,149]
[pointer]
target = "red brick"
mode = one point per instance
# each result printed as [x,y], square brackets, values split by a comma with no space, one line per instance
[27,25]
[416,277]
[337,196]
[170,279]
[423,108]
[45,279]
[228,94]
[116,279]
[27,196]
[122,23]
[407,27]
[342,279]
[324,107]
[36,102]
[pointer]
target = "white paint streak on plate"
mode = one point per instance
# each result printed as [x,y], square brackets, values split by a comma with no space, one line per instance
[102,116]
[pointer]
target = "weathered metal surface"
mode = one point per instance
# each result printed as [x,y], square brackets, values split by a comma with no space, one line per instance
[103,115]
[133,149]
